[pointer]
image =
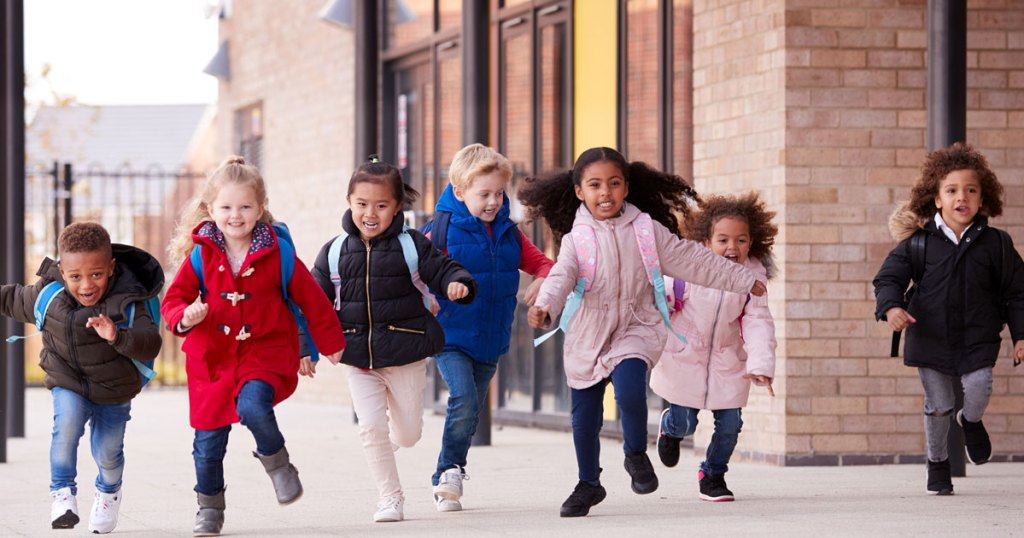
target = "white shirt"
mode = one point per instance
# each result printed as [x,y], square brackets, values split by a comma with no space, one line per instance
[941,224]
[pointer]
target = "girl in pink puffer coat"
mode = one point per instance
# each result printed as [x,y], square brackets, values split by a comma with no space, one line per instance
[731,340]
[617,333]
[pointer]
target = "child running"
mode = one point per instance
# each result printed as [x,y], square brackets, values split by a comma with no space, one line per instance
[968,282]
[389,328]
[241,341]
[471,224]
[617,333]
[87,358]
[731,339]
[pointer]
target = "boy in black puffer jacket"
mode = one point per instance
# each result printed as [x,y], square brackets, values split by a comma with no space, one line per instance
[968,282]
[87,357]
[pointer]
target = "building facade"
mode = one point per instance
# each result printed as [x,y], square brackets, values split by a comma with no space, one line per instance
[818,105]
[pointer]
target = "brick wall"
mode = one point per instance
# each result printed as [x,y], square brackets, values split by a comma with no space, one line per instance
[300,68]
[845,88]
[739,133]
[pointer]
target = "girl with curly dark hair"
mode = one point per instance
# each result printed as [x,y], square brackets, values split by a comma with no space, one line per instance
[968,281]
[731,339]
[616,333]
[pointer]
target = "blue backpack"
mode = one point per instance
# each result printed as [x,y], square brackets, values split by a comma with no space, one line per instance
[50,292]
[286,246]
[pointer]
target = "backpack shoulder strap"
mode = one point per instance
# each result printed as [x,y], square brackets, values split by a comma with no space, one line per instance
[195,258]
[412,262]
[918,254]
[439,230]
[585,241]
[1006,276]
[46,296]
[333,261]
[643,230]
[287,252]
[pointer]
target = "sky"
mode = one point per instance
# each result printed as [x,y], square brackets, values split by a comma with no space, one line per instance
[120,52]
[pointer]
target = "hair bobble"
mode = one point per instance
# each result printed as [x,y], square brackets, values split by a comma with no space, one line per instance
[373,158]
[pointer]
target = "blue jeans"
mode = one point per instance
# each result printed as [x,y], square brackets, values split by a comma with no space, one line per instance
[629,380]
[257,413]
[467,382]
[682,421]
[107,423]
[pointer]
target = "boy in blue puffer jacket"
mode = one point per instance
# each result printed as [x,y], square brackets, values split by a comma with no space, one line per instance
[472,226]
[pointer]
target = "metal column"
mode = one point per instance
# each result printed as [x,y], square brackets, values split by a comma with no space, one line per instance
[475,107]
[367,62]
[947,123]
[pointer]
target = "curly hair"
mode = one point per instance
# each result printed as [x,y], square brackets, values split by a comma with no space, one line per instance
[84,237]
[654,192]
[746,207]
[938,164]
[381,173]
[232,171]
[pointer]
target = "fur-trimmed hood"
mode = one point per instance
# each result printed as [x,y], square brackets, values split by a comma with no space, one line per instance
[903,222]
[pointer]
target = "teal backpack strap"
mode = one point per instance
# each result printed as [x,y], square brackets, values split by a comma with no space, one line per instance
[586,258]
[152,305]
[43,300]
[333,259]
[286,248]
[195,258]
[643,229]
[412,262]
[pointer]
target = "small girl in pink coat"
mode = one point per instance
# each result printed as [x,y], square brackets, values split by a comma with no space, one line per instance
[617,333]
[731,340]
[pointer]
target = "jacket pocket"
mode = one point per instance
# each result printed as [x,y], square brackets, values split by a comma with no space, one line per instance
[405,330]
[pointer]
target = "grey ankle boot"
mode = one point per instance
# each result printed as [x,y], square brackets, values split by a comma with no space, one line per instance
[283,474]
[210,517]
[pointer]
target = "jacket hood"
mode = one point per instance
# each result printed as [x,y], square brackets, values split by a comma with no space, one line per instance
[903,222]
[448,202]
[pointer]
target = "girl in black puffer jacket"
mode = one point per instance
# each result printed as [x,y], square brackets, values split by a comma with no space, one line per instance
[388,328]
[968,282]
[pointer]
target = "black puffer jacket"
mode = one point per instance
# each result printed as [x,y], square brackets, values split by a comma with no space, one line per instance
[382,312]
[958,302]
[75,357]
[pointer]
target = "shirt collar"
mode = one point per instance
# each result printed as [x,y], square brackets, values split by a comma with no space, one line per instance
[941,225]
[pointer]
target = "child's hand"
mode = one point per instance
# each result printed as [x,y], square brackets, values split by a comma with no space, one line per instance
[104,327]
[457,290]
[1018,352]
[761,381]
[759,288]
[538,316]
[335,358]
[435,306]
[899,319]
[194,313]
[532,291]
[307,367]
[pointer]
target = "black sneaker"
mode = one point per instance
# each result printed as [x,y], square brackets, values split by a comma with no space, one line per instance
[939,480]
[979,447]
[713,488]
[583,497]
[641,472]
[668,446]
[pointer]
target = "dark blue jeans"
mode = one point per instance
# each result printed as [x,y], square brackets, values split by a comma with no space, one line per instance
[629,380]
[257,413]
[107,423]
[467,382]
[682,421]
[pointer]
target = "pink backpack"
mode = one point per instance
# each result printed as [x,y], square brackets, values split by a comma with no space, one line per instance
[586,256]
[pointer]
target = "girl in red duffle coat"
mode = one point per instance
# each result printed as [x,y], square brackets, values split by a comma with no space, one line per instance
[241,340]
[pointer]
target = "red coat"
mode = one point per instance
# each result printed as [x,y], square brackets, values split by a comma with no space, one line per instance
[218,363]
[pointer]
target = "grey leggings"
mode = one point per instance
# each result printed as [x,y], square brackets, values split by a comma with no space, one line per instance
[939,401]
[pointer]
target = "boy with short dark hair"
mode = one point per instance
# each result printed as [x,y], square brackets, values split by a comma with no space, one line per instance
[87,356]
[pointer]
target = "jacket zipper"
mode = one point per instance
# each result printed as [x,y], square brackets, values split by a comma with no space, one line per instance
[404,330]
[369,311]
[711,347]
[73,350]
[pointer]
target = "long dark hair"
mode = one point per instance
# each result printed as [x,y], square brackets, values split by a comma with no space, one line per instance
[657,193]
[381,173]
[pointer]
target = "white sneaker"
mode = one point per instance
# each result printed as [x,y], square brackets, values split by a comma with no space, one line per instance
[390,509]
[64,510]
[449,485]
[446,505]
[103,518]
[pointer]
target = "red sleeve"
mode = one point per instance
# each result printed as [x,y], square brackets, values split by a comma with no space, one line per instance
[532,261]
[323,322]
[182,292]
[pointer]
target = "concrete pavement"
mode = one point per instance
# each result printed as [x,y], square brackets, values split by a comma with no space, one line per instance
[515,489]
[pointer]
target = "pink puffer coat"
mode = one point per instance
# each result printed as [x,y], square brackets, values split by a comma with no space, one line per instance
[729,337]
[618,319]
